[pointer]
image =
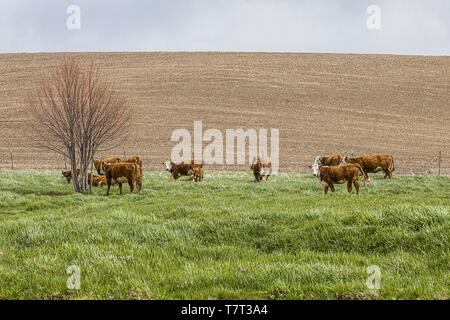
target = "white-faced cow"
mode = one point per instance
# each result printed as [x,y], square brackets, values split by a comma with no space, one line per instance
[330,175]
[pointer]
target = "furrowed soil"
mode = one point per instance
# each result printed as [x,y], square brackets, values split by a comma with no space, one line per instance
[321,103]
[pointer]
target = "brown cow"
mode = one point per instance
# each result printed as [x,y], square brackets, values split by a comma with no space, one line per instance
[98,164]
[197,173]
[97,181]
[261,169]
[374,163]
[330,175]
[333,160]
[134,159]
[122,172]
[183,169]
[138,161]
[100,181]
[68,174]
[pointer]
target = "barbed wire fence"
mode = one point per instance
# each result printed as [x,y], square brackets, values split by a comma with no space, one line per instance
[436,163]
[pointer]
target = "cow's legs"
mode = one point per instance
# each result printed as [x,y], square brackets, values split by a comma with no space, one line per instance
[356,186]
[131,186]
[139,183]
[388,173]
[326,190]
[332,187]
[120,187]
[109,186]
[349,186]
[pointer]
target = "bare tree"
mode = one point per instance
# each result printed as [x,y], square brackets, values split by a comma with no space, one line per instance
[74,112]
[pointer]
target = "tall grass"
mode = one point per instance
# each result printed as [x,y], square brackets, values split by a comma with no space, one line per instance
[226,237]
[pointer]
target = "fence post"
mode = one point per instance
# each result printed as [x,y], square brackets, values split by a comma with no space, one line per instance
[124,154]
[12,159]
[439,163]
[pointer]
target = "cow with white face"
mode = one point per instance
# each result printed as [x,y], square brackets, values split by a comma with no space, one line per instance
[178,169]
[315,167]
[168,165]
[261,169]
[330,175]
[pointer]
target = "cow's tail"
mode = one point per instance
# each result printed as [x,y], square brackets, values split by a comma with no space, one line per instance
[361,171]
[392,167]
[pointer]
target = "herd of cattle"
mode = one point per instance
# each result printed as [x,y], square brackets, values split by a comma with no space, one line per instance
[329,170]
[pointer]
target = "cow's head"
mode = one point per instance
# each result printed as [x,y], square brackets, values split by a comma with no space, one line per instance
[343,161]
[105,166]
[256,165]
[102,167]
[98,166]
[67,175]
[315,167]
[265,168]
[261,171]
[168,165]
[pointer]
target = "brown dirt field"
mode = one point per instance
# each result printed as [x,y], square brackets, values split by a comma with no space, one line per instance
[321,103]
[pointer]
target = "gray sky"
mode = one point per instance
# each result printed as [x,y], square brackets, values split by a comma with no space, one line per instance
[407,26]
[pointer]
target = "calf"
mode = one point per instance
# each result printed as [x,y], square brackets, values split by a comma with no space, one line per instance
[261,170]
[121,172]
[68,174]
[100,181]
[97,181]
[184,169]
[333,160]
[134,159]
[137,160]
[197,174]
[330,175]
[374,163]
[98,164]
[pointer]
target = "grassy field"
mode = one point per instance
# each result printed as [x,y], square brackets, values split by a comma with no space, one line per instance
[224,238]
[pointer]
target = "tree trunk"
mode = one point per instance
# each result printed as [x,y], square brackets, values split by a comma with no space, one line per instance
[73,162]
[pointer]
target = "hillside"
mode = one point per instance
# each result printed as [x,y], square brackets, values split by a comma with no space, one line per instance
[321,103]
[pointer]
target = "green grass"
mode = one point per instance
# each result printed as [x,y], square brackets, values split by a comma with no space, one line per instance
[224,238]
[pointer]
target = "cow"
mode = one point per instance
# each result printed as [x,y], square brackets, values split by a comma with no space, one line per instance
[184,169]
[196,173]
[122,172]
[333,160]
[374,163]
[98,164]
[97,181]
[261,169]
[134,159]
[330,175]
[137,160]
[68,174]
[100,181]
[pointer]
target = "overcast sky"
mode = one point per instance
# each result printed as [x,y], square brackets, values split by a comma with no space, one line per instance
[407,26]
